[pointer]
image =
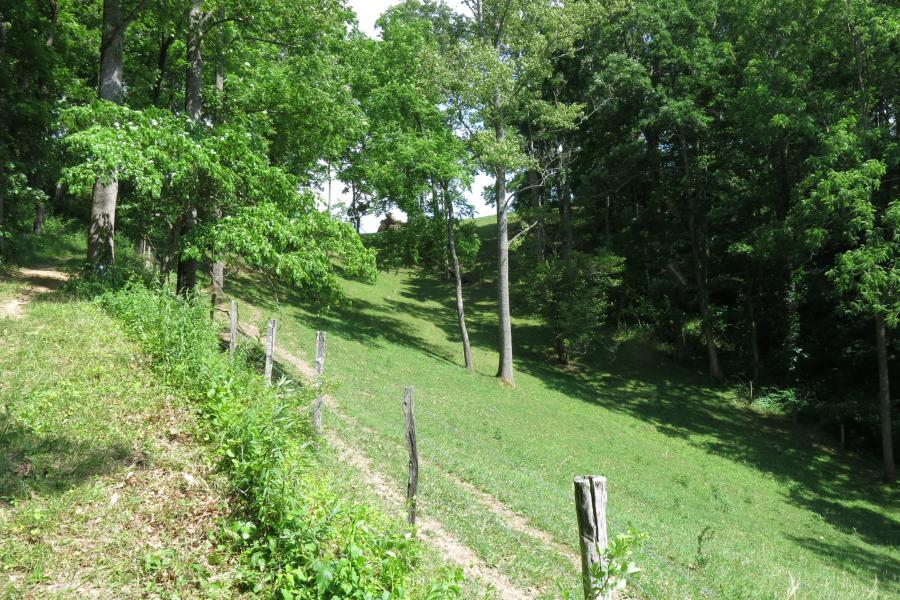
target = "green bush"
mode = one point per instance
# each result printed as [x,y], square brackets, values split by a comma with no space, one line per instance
[297,537]
[780,400]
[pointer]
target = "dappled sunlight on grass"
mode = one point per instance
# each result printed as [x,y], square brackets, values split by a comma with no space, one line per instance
[775,501]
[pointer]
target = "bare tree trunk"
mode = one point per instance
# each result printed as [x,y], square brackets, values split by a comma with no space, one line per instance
[2,190]
[460,308]
[39,213]
[715,370]
[534,182]
[505,368]
[607,225]
[220,62]
[101,246]
[187,268]
[194,83]
[144,250]
[111,86]
[186,279]
[754,337]
[702,277]
[162,60]
[218,267]
[218,280]
[437,213]
[53,9]
[884,397]
[565,213]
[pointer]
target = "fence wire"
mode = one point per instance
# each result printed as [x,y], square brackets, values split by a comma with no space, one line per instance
[445,461]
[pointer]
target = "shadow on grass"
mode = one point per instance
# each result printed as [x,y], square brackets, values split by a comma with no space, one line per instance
[677,403]
[358,320]
[680,404]
[33,463]
[854,558]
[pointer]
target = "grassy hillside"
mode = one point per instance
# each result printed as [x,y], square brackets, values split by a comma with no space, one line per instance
[103,491]
[736,504]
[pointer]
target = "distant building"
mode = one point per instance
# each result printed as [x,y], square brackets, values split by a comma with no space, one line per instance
[389,222]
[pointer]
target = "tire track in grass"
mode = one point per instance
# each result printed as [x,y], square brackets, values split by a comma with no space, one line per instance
[433,532]
[454,548]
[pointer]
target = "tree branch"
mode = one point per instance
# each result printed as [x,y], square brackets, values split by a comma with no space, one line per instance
[523,232]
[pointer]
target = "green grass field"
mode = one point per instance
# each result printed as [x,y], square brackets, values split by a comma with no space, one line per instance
[103,491]
[736,504]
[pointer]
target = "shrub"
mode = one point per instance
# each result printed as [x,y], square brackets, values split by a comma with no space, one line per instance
[780,400]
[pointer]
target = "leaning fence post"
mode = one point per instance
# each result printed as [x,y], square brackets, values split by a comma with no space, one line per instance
[409,411]
[270,351]
[590,505]
[320,370]
[232,342]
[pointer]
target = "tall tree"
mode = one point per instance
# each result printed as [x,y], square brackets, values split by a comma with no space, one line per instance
[111,87]
[505,54]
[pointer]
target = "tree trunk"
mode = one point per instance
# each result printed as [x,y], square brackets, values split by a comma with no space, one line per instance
[101,245]
[39,218]
[505,368]
[111,86]
[162,60]
[194,83]
[186,278]
[562,352]
[607,225]
[565,213]
[460,308]
[218,267]
[437,213]
[220,61]
[715,370]
[884,397]
[701,275]
[187,268]
[534,182]
[144,250]
[218,280]
[754,338]
[2,203]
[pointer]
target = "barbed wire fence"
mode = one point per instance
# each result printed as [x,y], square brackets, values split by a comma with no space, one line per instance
[443,459]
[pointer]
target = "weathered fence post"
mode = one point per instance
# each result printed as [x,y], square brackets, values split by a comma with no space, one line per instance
[409,410]
[590,505]
[270,351]
[320,370]
[232,341]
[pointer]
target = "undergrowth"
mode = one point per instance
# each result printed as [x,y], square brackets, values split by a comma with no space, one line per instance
[297,537]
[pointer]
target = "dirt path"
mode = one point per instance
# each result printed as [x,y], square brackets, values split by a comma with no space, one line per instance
[432,530]
[35,282]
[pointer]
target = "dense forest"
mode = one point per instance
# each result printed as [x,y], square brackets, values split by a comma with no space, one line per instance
[722,174]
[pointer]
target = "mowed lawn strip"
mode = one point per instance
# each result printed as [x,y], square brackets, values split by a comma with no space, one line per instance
[736,504]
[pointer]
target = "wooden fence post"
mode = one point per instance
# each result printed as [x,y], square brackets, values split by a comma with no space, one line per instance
[409,410]
[270,351]
[320,370]
[232,342]
[590,505]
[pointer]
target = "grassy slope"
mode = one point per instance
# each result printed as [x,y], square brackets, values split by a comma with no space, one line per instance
[102,491]
[737,505]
